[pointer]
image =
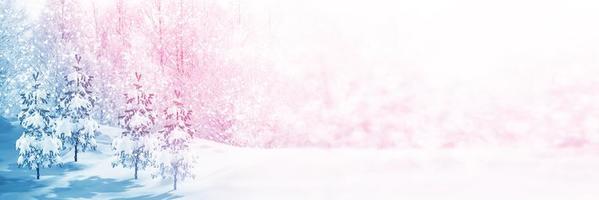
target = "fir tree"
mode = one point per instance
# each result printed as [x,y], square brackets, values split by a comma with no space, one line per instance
[133,147]
[38,147]
[75,126]
[174,159]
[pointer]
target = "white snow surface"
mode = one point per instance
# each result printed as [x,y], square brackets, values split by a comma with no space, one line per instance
[226,172]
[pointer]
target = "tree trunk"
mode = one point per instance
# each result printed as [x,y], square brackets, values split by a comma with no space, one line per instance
[76,144]
[175,180]
[136,166]
[38,173]
[160,35]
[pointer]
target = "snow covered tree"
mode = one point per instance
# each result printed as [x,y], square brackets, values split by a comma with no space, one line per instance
[112,39]
[75,126]
[15,55]
[133,147]
[174,159]
[56,36]
[38,147]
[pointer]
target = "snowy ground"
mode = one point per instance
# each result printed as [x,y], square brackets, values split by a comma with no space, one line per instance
[225,172]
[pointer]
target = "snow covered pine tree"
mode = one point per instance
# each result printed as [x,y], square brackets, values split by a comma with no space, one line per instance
[132,148]
[75,126]
[174,159]
[38,147]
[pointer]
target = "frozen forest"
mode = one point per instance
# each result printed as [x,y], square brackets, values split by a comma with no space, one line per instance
[269,99]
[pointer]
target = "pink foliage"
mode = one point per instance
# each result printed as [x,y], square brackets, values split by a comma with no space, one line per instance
[246,89]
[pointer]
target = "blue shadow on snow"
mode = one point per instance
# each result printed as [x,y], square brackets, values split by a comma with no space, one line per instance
[89,187]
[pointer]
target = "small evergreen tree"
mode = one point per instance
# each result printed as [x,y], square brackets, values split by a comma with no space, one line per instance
[174,159]
[133,147]
[38,147]
[75,126]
